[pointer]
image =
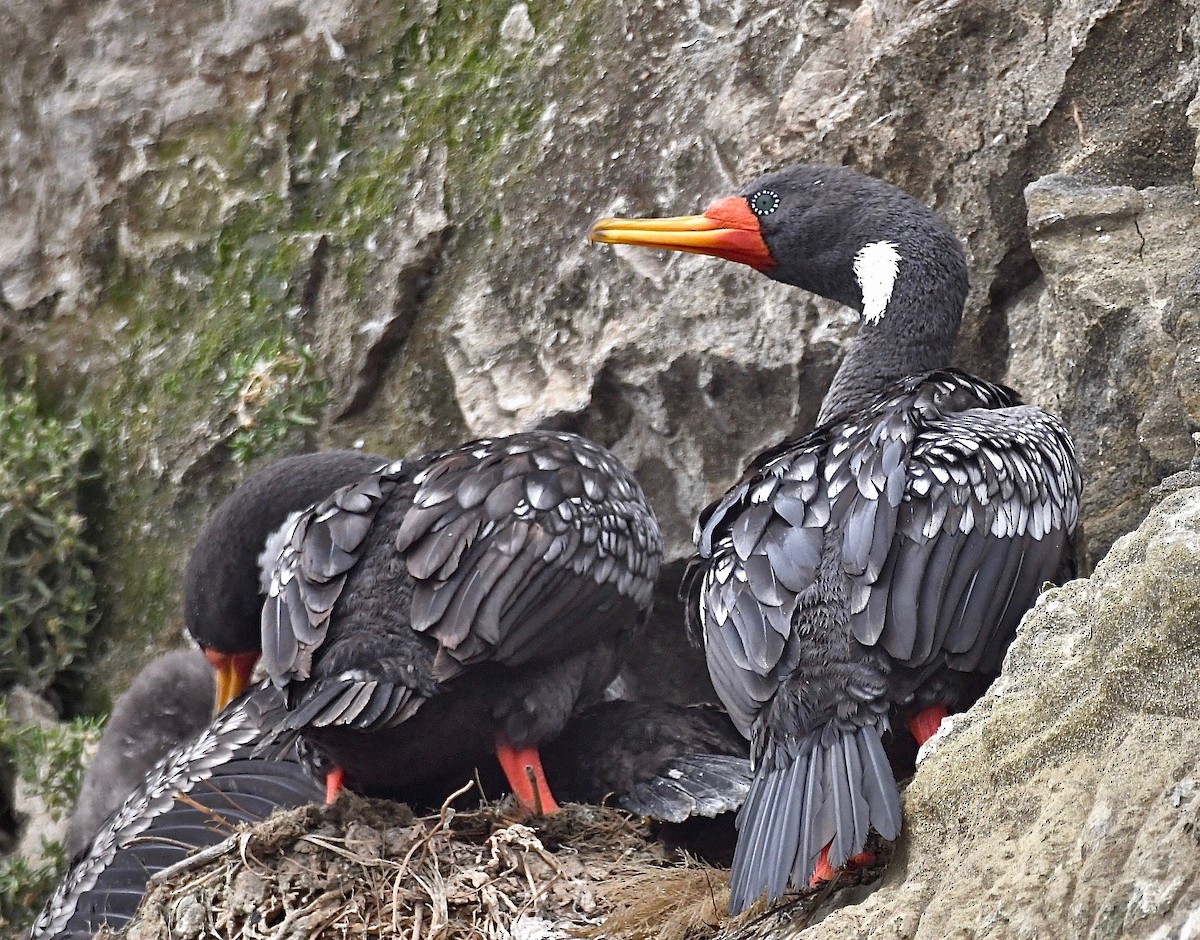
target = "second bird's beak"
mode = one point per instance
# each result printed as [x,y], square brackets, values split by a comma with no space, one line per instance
[728,229]
[233,671]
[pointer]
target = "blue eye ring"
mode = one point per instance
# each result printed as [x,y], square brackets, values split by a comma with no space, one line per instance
[764,202]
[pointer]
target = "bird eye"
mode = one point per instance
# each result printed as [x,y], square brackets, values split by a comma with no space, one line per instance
[764,202]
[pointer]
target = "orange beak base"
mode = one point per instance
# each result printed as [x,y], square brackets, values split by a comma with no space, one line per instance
[728,229]
[233,674]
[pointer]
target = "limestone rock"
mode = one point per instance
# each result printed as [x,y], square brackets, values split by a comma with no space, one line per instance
[1110,338]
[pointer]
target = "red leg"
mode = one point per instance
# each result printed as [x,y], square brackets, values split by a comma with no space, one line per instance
[824,871]
[523,768]
[924,724]
[333,783]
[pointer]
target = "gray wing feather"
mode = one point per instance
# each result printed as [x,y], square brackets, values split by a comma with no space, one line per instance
[310,573]
[971,541]
[878,785]
[362,704]
[232,734]
[514,523]
[949,504]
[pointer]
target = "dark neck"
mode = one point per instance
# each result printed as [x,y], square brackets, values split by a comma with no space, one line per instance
[916,334]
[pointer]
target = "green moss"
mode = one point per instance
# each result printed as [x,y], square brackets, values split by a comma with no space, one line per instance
[270,392]
[47,586]
[233,224]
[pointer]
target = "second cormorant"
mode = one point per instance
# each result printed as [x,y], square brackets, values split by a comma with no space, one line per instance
[878,566]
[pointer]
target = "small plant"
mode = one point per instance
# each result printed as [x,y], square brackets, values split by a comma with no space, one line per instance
[271,391]
[25,885]
[47,589]
[50,762]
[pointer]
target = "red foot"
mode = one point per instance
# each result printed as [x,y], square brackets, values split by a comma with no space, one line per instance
[924,724]
[824,871]
[333,783]
[523,768]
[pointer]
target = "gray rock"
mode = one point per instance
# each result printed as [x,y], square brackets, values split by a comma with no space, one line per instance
[1110,337]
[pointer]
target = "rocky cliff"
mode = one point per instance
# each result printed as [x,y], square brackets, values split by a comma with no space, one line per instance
[233,230]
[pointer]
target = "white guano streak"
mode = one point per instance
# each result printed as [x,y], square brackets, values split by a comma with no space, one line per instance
[876,266]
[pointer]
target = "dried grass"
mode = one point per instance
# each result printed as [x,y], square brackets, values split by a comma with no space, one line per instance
[366,869]
[369,868]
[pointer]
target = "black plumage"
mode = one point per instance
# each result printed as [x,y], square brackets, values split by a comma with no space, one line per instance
[435,606]
[668,762]
[223,582]
[227,571]
[192,798]
[879,565]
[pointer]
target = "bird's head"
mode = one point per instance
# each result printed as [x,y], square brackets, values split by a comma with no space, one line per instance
[827,229]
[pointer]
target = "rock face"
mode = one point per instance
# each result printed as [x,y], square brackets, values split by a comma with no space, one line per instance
[234,230]
[1112,336]
[225,225]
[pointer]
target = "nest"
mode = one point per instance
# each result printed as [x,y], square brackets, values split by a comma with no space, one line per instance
[369,868]
[365,868]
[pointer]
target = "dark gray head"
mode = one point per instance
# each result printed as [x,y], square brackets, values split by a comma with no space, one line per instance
[857,240]
[222,598]
[849,237]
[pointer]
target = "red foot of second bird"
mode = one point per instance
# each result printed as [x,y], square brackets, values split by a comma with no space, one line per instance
[523,768]
[333,783]
[825,872]
[924,724]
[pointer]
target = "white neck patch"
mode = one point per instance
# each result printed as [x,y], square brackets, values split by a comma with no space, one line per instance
[876,266]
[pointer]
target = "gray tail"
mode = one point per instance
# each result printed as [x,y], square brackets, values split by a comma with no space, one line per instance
[833,788]
[691,785]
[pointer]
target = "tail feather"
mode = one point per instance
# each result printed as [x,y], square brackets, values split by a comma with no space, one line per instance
[816,819]
[768,823]
[691,785]
[879,785]
[850,809]
[837,787]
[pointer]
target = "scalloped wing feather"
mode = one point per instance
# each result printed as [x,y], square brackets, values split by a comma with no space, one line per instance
[560,518]
[950,507]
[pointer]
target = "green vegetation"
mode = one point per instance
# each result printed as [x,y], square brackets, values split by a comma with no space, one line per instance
[271,391]
[24,887]
[47,587]
[50,763]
